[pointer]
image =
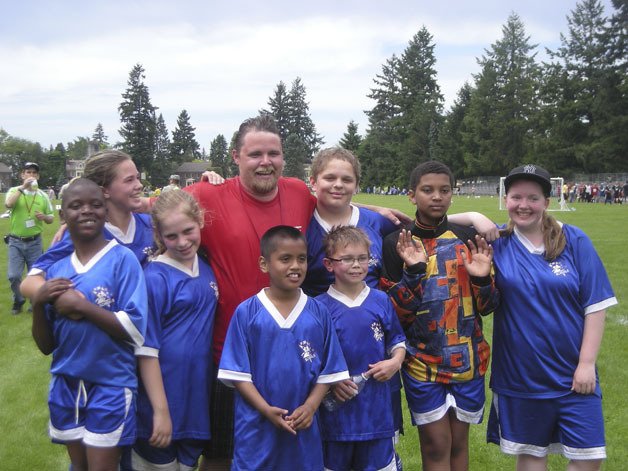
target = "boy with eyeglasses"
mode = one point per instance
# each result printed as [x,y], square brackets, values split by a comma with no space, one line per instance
[359,434]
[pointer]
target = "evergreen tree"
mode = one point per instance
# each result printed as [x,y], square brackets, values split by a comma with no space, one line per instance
[404,122]
[184,147]
[499,124]
[137,116]
[280,109]
[99,137]
[587,96]
[292,113]
[301,123]
[163,165]
[450,149]
[351,140]
[234,170]
[220,157]
[420,101]
[296,153]
[379,150]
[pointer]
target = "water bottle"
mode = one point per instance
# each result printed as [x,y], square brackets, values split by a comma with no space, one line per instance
[34,185]
[331,403]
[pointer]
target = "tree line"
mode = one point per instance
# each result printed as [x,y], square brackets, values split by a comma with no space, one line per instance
[566,113]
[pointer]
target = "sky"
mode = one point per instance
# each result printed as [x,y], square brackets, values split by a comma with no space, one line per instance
[64,65]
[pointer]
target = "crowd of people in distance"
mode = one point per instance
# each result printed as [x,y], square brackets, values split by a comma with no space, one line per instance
[607,193]
[260,323]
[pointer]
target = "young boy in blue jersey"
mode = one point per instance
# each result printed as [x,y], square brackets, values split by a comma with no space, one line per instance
[359,434]
[440,287]
[90,314]
[281,354]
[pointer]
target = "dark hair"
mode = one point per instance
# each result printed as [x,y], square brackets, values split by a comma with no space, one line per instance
[273,236]
[78,182]
[262,123]
[341,236]
[431,166]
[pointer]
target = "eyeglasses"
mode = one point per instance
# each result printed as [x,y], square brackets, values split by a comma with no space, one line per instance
[349,261]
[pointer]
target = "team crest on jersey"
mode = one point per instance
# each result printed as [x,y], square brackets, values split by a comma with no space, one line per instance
[150,252]
[103,296]
[307,352]
[558,269]
[214,286]
[373,261]
[378,332]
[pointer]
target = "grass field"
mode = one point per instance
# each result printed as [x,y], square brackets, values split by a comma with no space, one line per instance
[24,373]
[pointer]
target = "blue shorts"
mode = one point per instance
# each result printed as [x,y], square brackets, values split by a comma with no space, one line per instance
[572,425]
[97,415]
[179,455]
[429,402]
[369,455]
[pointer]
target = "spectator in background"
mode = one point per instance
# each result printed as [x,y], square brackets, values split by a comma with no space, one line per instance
[30,208]
[173,183]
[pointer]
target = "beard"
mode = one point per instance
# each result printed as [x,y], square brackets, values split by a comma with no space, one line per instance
[263,187]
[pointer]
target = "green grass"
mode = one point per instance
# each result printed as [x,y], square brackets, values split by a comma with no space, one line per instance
[24,373]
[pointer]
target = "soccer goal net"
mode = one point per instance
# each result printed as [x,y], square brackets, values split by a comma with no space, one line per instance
[557,199]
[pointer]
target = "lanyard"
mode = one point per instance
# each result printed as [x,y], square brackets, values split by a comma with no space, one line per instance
[28,208]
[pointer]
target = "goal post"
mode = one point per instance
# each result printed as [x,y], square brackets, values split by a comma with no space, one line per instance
[557,199]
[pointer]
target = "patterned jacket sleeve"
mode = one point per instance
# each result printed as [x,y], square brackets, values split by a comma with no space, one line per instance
[485,294]
[402,284]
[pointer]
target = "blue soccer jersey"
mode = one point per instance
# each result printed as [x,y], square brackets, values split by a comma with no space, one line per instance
[537,331]
[375,226]
[138,238]
[284,359]
[181,304]
[368,330]
[113,280]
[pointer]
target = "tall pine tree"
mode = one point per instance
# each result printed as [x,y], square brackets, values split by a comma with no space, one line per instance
[292,113]
[587,94]
[99,137]
[184,147]
[220,157]
[499,124]
[163,164]
[137,116]
[351,140]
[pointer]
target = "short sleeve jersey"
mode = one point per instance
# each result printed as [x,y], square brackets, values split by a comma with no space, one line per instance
[284,358]
[234,225]
[138,238]
[538,327]
[375,226]
[113,280]
[181,307]
[368,331]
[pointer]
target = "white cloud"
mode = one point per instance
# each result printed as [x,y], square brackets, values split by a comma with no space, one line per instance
[223,68]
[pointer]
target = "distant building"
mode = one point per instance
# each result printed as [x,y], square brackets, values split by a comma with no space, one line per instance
[5,178]
[75,168]
[190,172]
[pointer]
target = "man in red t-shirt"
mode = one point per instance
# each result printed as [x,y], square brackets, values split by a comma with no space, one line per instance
[236,216]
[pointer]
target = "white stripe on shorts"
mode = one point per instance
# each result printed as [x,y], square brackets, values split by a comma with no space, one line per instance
[110,439]
[422,418]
